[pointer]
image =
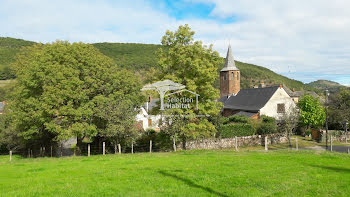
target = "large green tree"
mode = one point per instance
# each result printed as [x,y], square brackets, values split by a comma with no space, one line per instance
[65,90]
[312,113]
[339,108]
[194,65]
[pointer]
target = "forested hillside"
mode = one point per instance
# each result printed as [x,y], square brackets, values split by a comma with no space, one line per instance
[141,57]
[326,84]
[9,47]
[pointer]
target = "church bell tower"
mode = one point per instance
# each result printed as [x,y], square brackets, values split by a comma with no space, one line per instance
[230,77]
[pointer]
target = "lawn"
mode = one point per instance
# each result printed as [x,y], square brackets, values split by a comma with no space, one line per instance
[185,173]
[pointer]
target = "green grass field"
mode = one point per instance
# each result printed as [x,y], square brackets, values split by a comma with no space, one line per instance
[188,173]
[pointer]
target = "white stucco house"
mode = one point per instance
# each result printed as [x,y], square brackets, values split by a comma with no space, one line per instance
[270,101]
[146,121]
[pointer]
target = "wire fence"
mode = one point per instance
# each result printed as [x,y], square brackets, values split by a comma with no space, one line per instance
[264,143]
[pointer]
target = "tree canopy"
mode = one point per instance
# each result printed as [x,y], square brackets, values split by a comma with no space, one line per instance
[339,108]
[312,113]
[194,65]
[65,90]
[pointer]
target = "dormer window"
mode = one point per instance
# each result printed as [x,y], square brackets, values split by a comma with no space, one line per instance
[232,76]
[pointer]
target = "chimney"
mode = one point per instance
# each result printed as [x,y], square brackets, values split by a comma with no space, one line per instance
[293,89]
[281,86]
[262,84]
[150,99]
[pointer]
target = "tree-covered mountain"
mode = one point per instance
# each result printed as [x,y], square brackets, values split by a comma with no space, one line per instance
[9,47]
[326,84]
[141,57]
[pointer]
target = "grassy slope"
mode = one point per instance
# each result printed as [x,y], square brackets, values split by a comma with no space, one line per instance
[140,57]
[210,173]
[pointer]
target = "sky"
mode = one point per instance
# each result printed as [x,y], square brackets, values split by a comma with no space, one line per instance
[303,40]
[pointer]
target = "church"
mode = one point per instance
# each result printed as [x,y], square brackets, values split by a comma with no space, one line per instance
[271,101]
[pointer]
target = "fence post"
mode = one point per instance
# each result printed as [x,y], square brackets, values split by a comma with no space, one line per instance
[132,147]
[104,148]
[174,144]
[31,153]
[120,149]
[150,146]
[61,151]
[331,144]
[296,143]
[44,151]
[346,138]
[348,150]
[10,155]
[266,148]
[28,153]
[115,149]
[51,151]
[236,143]
[88,150]
[41,151]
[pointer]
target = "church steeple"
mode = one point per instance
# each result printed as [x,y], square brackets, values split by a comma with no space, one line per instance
[229,61]
[230,78]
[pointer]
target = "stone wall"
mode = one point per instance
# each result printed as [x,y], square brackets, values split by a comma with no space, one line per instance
[218,143]
[341,138]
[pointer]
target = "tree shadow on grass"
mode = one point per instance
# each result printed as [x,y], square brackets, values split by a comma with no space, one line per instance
[336,169]
[191,183]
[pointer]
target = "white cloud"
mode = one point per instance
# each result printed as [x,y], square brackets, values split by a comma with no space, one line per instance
[305,35]
[286,36]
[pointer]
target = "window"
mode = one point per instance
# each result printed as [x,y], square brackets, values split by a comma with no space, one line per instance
[237,75]
[232,76]
[280,108]
[224,75]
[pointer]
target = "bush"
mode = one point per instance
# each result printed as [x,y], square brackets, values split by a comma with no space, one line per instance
[240,129]
[267,128]
[161,141]
[267,119]
[307,132]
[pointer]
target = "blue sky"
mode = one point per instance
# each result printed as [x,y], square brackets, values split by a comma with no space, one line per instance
[304,40]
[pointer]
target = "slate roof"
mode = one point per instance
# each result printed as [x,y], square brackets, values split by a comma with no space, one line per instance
[229,61]
[244,113]
[252,99]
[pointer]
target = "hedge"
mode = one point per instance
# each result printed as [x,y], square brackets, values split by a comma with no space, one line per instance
[232,130]
[267,128]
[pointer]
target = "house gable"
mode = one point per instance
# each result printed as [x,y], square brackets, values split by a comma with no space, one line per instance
[278,98]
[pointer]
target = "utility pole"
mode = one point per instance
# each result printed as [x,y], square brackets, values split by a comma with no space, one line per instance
[327,94]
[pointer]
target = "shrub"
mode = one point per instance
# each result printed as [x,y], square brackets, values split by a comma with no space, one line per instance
[240,129]
[307,132]
[267,119]
[267,128]
[161,141]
